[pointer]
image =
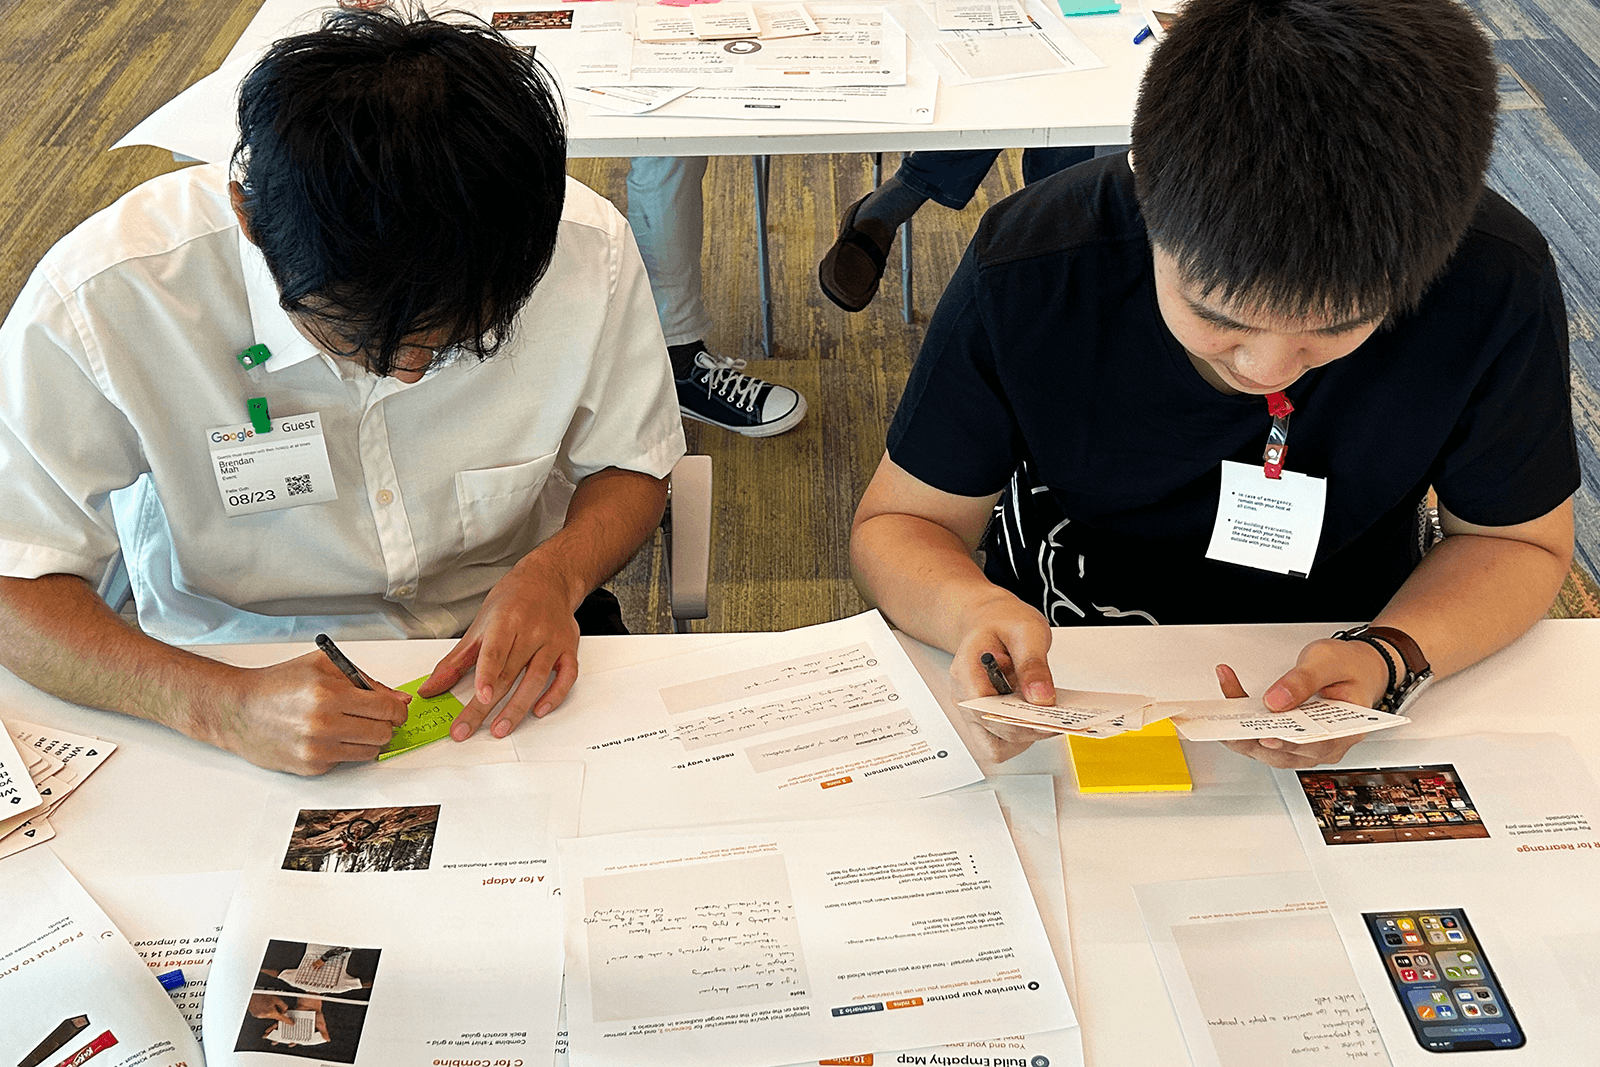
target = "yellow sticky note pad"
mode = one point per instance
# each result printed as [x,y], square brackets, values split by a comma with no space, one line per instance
[1140,761]
[427,720]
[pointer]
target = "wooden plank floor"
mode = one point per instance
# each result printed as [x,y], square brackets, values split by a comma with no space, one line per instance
[76,74]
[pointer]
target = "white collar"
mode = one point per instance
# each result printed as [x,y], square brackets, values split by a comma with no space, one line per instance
[269,323]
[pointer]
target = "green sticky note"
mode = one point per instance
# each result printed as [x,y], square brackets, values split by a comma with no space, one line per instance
[1089,7]
[427,720]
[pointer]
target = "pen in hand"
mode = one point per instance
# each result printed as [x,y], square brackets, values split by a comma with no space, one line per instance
[996,679]
[346,668]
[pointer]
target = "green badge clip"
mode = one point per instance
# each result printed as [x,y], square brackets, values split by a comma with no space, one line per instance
[260,418]
[253,357]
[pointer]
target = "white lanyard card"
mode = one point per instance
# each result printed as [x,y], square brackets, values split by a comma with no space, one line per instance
[1271,524]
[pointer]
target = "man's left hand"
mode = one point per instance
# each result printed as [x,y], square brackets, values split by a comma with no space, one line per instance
[525,627]
[1352,671]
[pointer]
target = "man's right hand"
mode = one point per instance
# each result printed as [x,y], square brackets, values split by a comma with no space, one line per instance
[1019,639]
[304,717]
[301,716]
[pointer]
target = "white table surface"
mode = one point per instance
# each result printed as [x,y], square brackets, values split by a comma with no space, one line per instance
[165,803]
[1092,107]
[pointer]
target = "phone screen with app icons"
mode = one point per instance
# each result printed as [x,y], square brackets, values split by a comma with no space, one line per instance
[1446,987]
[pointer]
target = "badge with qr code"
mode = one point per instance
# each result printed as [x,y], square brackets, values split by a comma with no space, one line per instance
[283,468]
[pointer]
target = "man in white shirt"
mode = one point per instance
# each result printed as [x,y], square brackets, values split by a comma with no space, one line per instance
[274,395]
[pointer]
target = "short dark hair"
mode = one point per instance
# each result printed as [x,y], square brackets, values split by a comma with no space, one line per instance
[402,174]
[1315,156]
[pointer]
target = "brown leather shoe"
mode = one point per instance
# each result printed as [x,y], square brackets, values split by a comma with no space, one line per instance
[850,272]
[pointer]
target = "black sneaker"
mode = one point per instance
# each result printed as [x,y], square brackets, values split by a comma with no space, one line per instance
[717,393]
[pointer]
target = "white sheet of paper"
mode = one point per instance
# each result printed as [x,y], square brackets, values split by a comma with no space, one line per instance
[172,921]
[724,21]
[662,25]
[1271,524]
[586,44]
[805,722]
[733,945]
[628,99]
[785,20]
[440,882]
[1503,827]
[1028,802]
[1256,972]
[963,57]
[912,103]
[857,46]
[62,958]
[978,14]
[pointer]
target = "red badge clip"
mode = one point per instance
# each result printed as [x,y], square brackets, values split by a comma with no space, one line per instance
[1278,436]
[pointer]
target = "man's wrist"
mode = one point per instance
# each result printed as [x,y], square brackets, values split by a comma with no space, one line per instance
[1409,669]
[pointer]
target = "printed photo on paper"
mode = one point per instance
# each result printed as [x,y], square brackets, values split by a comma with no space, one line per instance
[349,840]
[1393,804]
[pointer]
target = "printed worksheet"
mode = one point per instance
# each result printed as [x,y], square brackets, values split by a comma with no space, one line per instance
[1222,945]
[856,46]
[173,922]
[581,43]
[1042,45]
[912,103]
[72,991]
[803,722]
[897,926]
[398,919]
[1461,875]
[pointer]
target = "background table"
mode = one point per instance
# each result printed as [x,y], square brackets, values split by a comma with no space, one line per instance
[163,802]
[1092,107]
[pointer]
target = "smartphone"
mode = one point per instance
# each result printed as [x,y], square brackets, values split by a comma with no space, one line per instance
[1446,987]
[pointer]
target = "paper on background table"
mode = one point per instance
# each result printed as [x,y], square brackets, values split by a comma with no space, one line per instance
[464,921]
[978,14]
[882,929]
[1256,972]
[592,48]
[966,57]
[62,957]
[803,722]
[1528,888]
[858,45]
[627,99]
[172,921]
[912,103]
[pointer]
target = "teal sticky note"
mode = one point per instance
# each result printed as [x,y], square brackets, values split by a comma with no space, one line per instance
[1089,7]
[428,720]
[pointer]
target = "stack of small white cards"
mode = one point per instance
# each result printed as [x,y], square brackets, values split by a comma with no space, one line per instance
[40,766]
[1089,714]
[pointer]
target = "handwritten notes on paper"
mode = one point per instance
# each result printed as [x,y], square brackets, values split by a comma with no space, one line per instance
[816,719]
[670,940]
[904,924]
[1257,973]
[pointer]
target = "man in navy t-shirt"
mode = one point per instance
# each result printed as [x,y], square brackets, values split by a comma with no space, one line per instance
[1213,380]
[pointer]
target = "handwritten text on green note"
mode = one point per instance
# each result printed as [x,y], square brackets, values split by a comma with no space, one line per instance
[427,720]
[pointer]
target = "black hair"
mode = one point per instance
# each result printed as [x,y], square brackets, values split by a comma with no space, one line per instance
[1315,157]
[402,174]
